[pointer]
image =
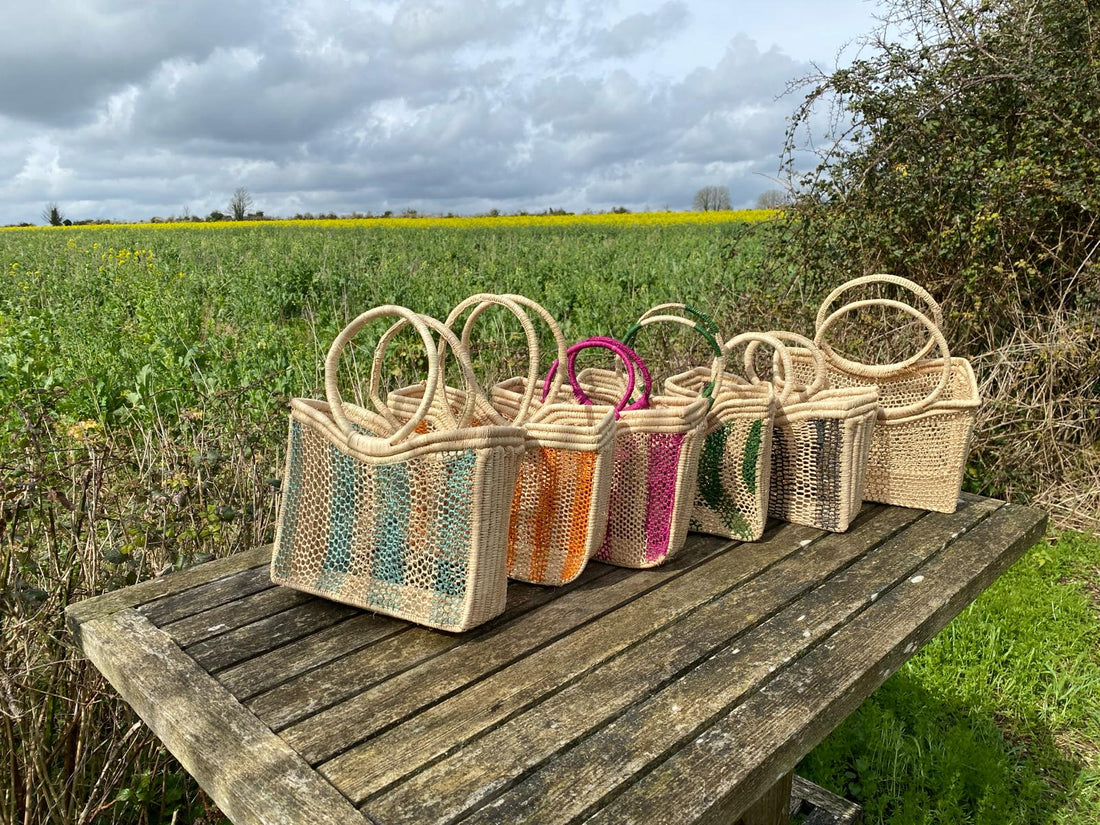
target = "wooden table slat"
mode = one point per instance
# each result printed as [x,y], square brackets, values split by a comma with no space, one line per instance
[766,735]
[447,788]
[580,777]
[319,688]
[176,606]
[639,606]
[218,620]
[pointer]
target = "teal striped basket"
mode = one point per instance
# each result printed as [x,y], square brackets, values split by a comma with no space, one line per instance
[401,513]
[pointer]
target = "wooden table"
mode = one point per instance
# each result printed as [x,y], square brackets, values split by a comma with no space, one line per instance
[680,694]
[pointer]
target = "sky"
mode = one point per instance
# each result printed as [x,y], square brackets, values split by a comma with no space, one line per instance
[129,110]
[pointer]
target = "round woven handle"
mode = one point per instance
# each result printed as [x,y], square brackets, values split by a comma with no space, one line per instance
[865,371]
[332,363]
[700,317]
[754,340]
[481,302]
[629,358]
[780,377]
[717,364]
[883,370]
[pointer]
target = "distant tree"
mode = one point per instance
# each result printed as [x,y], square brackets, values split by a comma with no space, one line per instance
[712,198]
[215,216]
[240,203]
[772,199]
[52,215]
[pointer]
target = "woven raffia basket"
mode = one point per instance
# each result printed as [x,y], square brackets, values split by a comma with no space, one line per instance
[559,509]
[820,442]
[735,467]
[405,515]
[921,439]
[658,439]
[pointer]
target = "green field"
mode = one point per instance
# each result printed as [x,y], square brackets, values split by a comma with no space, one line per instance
[147,369]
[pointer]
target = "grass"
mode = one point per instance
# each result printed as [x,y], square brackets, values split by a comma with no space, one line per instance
[146,371]
[997,719]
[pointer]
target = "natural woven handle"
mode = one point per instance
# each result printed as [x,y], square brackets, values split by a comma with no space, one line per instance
[871,372]
[481,302]
[780,376]
[717,365]
[885,369]
[332,363]
[753,340]
[701,317]
[629,358]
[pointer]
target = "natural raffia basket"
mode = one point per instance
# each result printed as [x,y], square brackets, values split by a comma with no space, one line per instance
[921,439]
[820,442]
[401,514]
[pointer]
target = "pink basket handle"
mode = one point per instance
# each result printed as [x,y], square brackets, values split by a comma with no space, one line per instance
[629,358]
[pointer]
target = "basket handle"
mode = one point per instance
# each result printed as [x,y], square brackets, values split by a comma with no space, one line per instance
[704,320]
[422,325]
[718,364]
[872,372]
[882,278]
[753,340]
[481,302]
[806,391]
[629,358]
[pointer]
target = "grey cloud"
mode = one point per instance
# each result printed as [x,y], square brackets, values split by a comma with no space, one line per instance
[638,33]
[330,106]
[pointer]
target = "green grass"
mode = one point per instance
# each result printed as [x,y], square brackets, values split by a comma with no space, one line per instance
[997,719]
[147,370]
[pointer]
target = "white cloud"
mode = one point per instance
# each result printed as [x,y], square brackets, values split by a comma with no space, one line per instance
[125,109]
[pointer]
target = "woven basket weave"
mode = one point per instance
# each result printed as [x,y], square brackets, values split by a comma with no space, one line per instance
[657,445]
[559,508]
[735,467]
[921,439]
[820,443]
[401,514]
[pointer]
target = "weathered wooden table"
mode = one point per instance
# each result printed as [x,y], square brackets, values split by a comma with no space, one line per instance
[680,694]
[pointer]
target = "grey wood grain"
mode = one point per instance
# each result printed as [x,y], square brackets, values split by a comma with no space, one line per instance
[176,606]
[249,608]
[269,633]
[252,775]
[177,582]
[768,733]
[649,598]
[563,711]
[329,682]
[712,639]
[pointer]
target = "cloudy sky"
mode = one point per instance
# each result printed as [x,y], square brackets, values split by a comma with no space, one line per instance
[126,110]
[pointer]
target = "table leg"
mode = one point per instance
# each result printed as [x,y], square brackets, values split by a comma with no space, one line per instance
[773,808]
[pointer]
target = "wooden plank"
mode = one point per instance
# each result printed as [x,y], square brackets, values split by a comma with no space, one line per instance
[218,620]
[368,768]
[269,633]
[263,672]
[444,790]
[578,779]
[772,808]
[176,606]
[648,598]
[321,687]
[147,591]
[822,807]
[251,774]
[769,732]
